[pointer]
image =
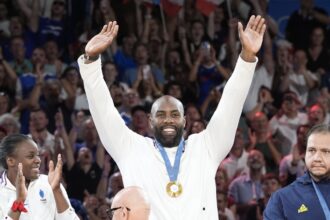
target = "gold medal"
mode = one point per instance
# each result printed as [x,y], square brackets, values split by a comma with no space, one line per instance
[174,189]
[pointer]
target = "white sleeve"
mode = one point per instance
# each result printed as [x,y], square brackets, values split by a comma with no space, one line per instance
[68,214]
[221,129]
[114,134]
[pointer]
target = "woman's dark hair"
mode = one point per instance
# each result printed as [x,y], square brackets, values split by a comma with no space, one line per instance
[8,146]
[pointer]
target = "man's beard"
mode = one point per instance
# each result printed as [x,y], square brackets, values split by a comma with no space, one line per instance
[320,177]
[256,166]
[167,141]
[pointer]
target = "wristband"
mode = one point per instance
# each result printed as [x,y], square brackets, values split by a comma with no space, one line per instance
[90,58]
[18,207]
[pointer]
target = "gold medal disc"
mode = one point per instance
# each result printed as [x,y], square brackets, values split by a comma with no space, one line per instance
[174,189]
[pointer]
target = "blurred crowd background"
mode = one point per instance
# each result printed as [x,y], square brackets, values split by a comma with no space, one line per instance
[184,48]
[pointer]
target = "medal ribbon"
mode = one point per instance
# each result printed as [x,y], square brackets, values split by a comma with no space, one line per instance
[172,171]
[322,201]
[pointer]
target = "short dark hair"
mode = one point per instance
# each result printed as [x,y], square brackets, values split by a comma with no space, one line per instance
[169,84]
[270,176]
[320,128]
[8,146]
[139,108]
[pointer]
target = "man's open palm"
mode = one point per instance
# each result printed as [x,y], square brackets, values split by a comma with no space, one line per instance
[103,40]
[252,37]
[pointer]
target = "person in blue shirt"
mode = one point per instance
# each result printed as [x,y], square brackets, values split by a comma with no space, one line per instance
[308,197]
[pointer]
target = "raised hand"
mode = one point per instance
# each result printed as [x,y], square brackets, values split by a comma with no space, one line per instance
[55,173]
[103,40]
[251,38]
[21,191]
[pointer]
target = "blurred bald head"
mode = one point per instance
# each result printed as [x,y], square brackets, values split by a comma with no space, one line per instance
[132,203]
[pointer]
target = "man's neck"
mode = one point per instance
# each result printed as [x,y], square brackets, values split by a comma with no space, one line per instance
[255,175]
[319,179]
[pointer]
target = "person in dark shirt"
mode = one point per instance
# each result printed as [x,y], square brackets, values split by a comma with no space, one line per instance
[302,21]
[307,197]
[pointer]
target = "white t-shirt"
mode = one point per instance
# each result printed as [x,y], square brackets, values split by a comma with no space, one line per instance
[287,168]
[260,78]
[299,85]
[40,201]
[233,164]
[141,163]
[287,129]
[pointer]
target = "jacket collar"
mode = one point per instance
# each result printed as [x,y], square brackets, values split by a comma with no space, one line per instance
[307,179]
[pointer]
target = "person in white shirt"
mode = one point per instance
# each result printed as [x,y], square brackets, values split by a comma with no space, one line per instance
[186,190]
[235,163]
[24,192]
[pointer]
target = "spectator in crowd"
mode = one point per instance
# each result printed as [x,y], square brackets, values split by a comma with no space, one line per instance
[130,99]
[123,57]
[197,127]
[19,62]
[22,183]
[299,79]
[115,184]
[207,71]
[288,203]
[284,124]
[84,168]
[167,121]
[316,115]
[18,28]
[283,65]
[54,27]
[325,103]
[45,140]
[193,113]
[141,56]
[175,89]
[117,91]
[8,78]
[53,64]
[47,95]
[27,84]
[302,21]
[246,190]
[224,211]
[4,103]
[140,121]
[10,123]
[270,184]
[146,86]
[262,140]
[317,53]
[235,163]
[293,165]
[72,88]
[221,179]
[110,73]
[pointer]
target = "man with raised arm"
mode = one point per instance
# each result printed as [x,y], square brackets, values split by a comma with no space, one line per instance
[178,175]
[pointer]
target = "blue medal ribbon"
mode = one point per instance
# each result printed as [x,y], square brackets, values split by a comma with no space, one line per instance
[172,171]
[322,201]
